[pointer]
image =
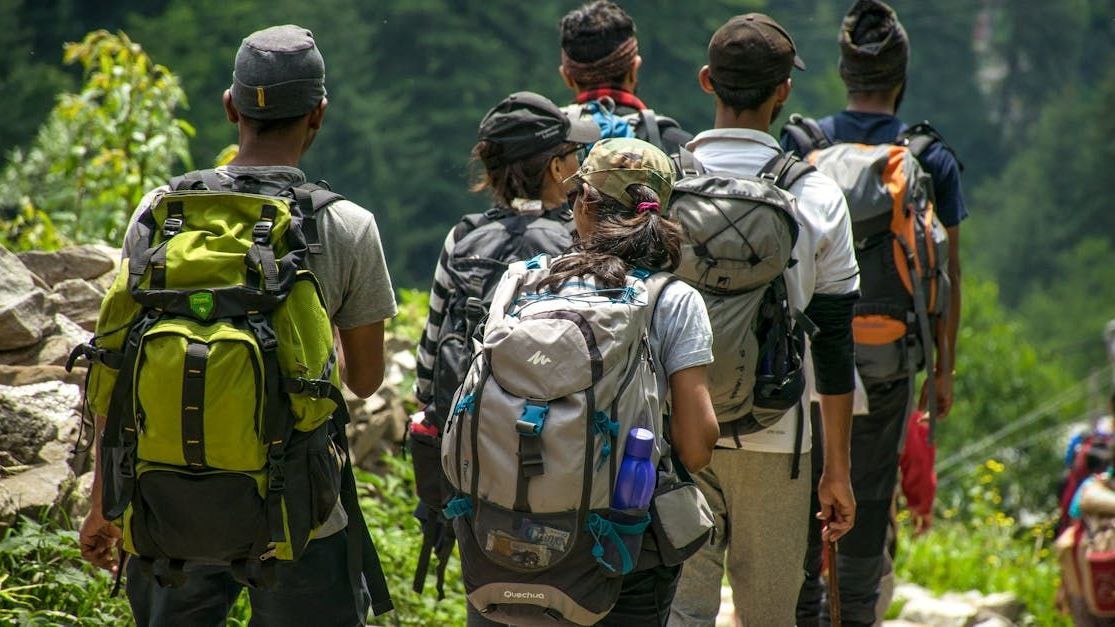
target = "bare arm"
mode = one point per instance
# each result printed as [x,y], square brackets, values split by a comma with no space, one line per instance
[838,503]
[98,537]
[1097,499]
[361,358]
[693,426]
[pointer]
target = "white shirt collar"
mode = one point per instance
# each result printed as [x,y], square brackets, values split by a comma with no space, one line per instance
[733,135]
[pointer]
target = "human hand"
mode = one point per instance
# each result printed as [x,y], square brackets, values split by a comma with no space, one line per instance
[943,382]
[922,522]
[99,539]
[838,506]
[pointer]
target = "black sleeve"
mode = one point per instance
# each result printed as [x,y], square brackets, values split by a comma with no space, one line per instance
[832,346]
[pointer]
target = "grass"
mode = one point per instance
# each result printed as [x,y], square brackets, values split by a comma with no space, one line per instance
[977,546]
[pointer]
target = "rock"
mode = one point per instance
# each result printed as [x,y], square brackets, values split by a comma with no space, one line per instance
[79,301]
[31,416]
[23,314]
[54,350]
[32,492]
[74,262]
[77,505]
[1003,604]
[27,375]
[939,612]
[405,361]
[991,619]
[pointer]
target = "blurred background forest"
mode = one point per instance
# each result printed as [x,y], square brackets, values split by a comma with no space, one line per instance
[1022,89]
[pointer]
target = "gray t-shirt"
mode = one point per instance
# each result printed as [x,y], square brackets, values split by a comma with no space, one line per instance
[680,334]
[351,269]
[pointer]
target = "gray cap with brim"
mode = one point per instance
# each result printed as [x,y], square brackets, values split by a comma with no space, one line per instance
[279,73]
[525,124]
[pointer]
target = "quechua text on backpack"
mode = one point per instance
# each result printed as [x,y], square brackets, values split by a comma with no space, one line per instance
[739,235]
[485,244]
[533,446]
[901,247]
[213,363]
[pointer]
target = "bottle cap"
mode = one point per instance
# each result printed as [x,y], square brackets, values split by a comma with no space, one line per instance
[640,443]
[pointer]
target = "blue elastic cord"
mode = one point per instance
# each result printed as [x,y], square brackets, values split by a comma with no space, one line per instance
[601,528]
[535,262]
[605,427]
[467,403]
[458,506]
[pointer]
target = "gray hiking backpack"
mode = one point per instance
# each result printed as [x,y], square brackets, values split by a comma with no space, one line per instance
[644,124]
[533,446]
[901,248]
[739,235]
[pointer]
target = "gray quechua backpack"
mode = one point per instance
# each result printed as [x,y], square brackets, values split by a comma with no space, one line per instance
[533,446]
[739,235]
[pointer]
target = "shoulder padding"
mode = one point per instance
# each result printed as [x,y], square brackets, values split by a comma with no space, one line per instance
[919,137]
[806,133]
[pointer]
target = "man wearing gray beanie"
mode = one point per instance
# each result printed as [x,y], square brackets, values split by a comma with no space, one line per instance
[874,58]
[277,100]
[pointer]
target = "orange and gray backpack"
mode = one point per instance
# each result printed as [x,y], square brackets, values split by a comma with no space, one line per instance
[901,247]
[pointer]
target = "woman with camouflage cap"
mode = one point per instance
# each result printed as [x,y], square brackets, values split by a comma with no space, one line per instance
[618,197]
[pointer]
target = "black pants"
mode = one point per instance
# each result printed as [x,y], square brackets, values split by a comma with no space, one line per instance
[876,441]
[644,600]
[312,591]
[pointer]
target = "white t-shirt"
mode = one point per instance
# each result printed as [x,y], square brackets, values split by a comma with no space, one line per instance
[826,259]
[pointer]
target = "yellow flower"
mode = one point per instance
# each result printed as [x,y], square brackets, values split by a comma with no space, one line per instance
[994,466]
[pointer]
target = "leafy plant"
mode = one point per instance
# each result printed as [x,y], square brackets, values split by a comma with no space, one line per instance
[976,545]
[101,149]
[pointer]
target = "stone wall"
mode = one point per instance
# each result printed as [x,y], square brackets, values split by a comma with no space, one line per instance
[48,304]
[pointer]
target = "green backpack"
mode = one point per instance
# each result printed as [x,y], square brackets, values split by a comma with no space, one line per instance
[213,361]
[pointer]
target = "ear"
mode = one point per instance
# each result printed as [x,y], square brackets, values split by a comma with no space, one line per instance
[633,73]
[569,82]
[782,92]
[580,210]
[554,167]
[705,81]
[230,111]
[318,114]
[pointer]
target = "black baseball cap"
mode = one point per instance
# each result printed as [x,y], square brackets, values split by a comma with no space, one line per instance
[526,123]
[750,51]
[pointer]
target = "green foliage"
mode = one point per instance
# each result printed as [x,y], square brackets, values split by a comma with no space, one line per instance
[26,228]
[1000,378]
[43,580]
[100,150]
[976,546]
[397,537]
[413,308]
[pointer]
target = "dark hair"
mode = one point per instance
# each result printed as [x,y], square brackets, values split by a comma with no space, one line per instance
[741,100]
[263,127]
[621,239]
[519,179]
[594,31]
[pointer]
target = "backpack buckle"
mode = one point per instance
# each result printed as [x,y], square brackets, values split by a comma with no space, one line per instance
[265,335]
[261,232]
[172,226]
[533,419]
[768,176]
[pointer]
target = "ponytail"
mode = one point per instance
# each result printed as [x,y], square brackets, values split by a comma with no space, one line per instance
[622,238]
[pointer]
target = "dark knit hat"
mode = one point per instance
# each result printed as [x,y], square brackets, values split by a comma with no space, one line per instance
[874,48]
[279,73]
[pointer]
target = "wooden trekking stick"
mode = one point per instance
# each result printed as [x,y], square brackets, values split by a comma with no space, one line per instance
[833,584]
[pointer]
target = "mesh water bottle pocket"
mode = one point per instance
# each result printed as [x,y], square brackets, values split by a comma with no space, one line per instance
[618,536]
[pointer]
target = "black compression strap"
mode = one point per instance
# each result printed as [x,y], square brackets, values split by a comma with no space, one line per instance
[362,556]
[193,404]
[650,123]
[795,465]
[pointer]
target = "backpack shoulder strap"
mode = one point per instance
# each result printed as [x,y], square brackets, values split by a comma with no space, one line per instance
[196,180]
[656,284]
[686,164]
[806,133]
[649,121]
[786,168]
[312,198]
[919,137]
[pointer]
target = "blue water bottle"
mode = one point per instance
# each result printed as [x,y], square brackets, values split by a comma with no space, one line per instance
[636,477]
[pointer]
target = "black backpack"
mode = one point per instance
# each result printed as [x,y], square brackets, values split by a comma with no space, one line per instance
[485,245]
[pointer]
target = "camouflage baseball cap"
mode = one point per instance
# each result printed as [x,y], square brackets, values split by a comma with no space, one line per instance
[615,163]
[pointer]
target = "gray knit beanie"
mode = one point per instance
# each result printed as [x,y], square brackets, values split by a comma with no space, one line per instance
[874,48]
[279,73]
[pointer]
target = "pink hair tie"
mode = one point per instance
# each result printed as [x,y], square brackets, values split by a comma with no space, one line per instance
[643,207]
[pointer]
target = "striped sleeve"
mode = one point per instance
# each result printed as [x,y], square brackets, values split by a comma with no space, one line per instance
[427,345]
